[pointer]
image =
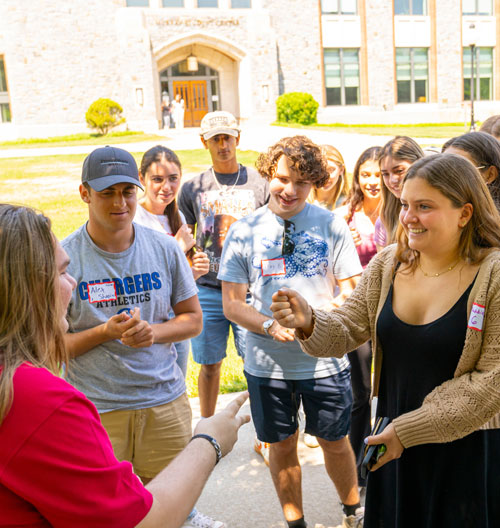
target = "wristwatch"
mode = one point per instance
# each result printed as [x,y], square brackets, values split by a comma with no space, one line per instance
[266,326]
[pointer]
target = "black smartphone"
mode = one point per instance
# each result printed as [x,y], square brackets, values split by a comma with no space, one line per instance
[374,452]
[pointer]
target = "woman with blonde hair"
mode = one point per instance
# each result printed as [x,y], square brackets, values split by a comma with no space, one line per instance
[431,306]
[57,466]
[337,186]
[395,159]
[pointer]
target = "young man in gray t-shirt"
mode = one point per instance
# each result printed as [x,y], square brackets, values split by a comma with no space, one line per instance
[129,279]
[290,243]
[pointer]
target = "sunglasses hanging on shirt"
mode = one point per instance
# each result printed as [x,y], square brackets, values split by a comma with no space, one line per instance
[287,244]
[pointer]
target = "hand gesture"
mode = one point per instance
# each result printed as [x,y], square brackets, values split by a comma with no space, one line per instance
[200,264]
[280,333]
[291,310]
[394,446]
[224,425]
[356,236]
[140,334]
[185,238]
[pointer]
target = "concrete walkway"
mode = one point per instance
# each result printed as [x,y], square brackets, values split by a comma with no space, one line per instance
[240,491]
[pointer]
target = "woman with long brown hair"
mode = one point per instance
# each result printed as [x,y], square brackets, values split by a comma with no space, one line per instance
[431,306]
[160,173]
[57,466]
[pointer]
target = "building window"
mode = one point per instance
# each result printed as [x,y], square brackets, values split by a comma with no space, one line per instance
[137,3]
[483,74]
[410,7]
[412,75]
[477,7]
[342,76]
[339,7]
[4,95]
[208,3]
[238,4]
[173,3]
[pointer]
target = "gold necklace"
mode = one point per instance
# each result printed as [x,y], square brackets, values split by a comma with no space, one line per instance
[438,274]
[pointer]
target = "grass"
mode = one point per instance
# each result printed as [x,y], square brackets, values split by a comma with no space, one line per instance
[232,377]
[424,130]
[81,139]
[50,183]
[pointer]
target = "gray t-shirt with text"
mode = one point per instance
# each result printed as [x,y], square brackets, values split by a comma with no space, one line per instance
[152,274]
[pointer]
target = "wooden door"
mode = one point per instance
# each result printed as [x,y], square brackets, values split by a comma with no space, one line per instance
[194,94]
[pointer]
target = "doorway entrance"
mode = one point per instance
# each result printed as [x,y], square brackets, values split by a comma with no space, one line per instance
[194,94]
[199,89]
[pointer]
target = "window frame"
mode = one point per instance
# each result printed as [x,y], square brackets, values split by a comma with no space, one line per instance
[412,77]
[4,96]
[207,7]
[477,71]
[343,76]
[172,6]
[476,10]
[249,6]
[145,5]
[410,9]
[339,9]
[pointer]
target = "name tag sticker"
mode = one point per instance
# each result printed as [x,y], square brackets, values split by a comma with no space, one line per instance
[273,267]
[101,291]
[476,317]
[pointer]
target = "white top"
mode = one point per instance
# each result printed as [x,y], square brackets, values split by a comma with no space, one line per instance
[156,222]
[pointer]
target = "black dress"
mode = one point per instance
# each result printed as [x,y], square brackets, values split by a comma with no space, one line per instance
[452,485]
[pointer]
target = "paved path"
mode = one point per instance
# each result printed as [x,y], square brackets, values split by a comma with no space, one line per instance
[240,491]
[253,137]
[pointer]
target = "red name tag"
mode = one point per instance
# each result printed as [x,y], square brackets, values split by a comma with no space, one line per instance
[272,267]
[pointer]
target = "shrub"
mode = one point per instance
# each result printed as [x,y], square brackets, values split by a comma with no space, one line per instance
[297,107]
[103,115]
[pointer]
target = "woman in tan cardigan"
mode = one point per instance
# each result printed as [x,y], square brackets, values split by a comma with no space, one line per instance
[431,305]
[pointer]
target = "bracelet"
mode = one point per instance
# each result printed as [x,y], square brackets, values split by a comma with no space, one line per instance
[214,442]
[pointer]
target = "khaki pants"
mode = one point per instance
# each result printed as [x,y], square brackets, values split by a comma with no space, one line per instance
[149,438]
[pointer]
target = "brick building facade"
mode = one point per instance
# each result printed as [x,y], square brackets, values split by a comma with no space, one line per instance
[362,60]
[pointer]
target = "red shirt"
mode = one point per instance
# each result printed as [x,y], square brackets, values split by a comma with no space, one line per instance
[57,466]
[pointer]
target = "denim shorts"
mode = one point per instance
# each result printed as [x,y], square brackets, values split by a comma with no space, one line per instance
[210,346]
[275,406]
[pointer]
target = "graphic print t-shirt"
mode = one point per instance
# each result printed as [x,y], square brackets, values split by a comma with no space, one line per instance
[215,207]
[323,250]
[152,274]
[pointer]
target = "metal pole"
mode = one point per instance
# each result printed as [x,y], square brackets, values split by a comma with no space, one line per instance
[472,122]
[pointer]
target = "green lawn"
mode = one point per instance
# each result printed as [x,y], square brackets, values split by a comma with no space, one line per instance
[51,183]
[81,139]
[426,130]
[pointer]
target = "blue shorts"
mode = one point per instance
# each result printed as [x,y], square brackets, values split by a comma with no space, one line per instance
[210,346]
[275,406]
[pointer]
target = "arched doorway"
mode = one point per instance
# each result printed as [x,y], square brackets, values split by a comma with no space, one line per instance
[199,89]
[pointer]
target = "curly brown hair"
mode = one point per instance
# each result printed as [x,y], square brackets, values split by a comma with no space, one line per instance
[304,156]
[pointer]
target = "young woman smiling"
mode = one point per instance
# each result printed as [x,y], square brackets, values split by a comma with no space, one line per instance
[160,174]
[395,159]
[430,304]
[337,186]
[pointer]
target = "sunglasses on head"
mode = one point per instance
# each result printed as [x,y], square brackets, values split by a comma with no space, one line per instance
[287,244]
